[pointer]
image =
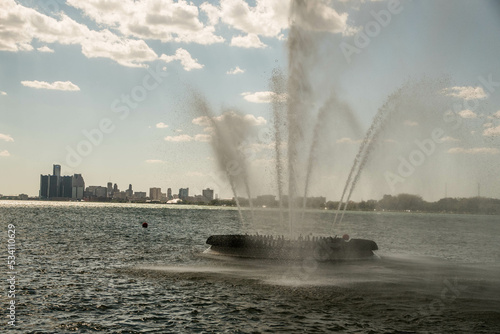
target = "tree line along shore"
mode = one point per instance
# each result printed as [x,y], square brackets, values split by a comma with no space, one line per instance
[399,203]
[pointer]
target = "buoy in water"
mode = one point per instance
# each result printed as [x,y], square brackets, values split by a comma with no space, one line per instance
[145,225]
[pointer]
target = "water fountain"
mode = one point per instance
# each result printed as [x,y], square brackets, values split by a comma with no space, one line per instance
[293,99]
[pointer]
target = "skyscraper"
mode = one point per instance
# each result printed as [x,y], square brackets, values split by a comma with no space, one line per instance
[53,186]
[78,186]
[110,189]
[44,186]
[155,194]
[66,187]
[129,192]
[50,184]
[169,193]
[57,186]
[183,193]
[208,194]
[56,173]
[56,170]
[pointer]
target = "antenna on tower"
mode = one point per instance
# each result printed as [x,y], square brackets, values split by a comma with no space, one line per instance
[479,190]
[446,190]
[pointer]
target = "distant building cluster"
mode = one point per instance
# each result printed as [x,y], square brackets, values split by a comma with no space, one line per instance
[111,191]
[155,194]
[60,187]
[56,186]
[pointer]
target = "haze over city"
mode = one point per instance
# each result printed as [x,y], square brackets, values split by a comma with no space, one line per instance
[107,92]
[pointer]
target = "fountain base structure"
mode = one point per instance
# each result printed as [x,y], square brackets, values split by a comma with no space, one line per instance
[278,248]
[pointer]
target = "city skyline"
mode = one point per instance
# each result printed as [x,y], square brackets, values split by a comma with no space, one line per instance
[107,92]
[112,191]
[57,186]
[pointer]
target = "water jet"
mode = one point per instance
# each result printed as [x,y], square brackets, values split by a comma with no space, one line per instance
[296,139]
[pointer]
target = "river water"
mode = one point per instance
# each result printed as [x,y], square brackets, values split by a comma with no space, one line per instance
[92,268]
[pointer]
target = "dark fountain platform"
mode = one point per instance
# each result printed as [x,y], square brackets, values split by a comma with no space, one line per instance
[278,248]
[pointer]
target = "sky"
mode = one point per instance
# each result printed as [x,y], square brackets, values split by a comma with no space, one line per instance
[111,90]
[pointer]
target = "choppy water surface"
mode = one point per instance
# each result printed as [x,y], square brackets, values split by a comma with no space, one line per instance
[93,268]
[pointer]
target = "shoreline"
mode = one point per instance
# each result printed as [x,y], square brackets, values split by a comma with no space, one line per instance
[247,208]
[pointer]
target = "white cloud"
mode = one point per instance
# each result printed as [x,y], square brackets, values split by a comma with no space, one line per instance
[45,48]
[268,18]
[187,62]
[126,52]
[161,125]
[202,121]
[21,25]
[4,153]
[488,125]
[249,119]
[212,13]
[188,138]
[254,121]
[467,114]
[497,114]
[206,123]
[57,85]
[6,138]
[410,123]
[448,139]
[235,70]
[202,138]
[466,92]
[319,16]
[229,119]
[179,138]
[248,41]
[476,150]
[2,93]
[153,161]
[346,140]
[492,132]
[164,20]
[351,30]
[103,12]
[262,97]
